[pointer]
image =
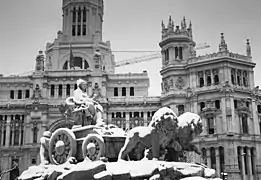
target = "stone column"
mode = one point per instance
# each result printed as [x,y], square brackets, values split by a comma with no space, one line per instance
[13,135]
[71,89]
[255,118]
[20,135]
[204,77]
[109,120]
[208,158]
[217,161]
[232,106]
[243,172]
[223,108]
[128,120]
[2,137]
[249,163]
[145,117]
[7,137]
[64,91]
[76,22]
[56,91]
[254,158]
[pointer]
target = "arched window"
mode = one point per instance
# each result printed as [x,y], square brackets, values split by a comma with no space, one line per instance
[180,53]
[79,63]
[74,15]
[79,15]
[68,90]
[73,22]
[176,52]
[123,91]
[132,91]
[118,114]
[213,158]
[19,96]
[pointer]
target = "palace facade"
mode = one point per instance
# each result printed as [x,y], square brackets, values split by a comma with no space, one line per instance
[219,87]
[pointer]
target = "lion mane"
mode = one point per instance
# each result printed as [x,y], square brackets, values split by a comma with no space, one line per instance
[156,136]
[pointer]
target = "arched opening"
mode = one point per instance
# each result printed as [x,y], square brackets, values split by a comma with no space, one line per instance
[216,79]
[78,62]
[201,82]
[132,91]
[180,53]
[123,91]
[208,81]
[68,90]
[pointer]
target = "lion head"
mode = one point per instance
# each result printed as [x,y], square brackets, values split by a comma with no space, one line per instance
[164,121]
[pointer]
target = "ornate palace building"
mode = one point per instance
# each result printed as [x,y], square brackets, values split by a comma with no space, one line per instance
[219,87]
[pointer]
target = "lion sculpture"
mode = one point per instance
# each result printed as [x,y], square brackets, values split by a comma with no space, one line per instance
[156,136]
[189,127]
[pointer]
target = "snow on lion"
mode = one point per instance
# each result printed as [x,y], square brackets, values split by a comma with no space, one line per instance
[187,117]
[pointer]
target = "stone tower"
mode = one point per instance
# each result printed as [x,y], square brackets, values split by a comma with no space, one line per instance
[79,45]
[177,48]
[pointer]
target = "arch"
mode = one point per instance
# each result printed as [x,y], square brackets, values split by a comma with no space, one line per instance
[76,53]
[61,123]
[79,63]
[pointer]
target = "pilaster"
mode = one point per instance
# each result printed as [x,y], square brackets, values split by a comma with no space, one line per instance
[7,137]
[217,161]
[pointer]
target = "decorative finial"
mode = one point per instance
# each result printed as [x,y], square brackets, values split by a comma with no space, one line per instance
[248,48]
[162,25]
[184,23]
[169,25]
[223,44]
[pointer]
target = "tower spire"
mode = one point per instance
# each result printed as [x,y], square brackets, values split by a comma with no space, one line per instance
[184,23]
[162,25]
[248,48]
[223,44]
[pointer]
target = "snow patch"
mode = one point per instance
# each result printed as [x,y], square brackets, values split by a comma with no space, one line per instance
[187,117]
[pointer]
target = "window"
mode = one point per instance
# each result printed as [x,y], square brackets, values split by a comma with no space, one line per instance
[35,132]
[202,105]
[232,79]
[167,55]
[73,30]
[27,93]
[112,115]
[74,15]
[84,30]
[136,114]
[52,90]
[33,161]
[84,14]
[123,91]
[79,30]
[201,82]
[259,108]
[79,15]
[12,94]
[235,104]
[60,90]
[115,91]
[132,91]
[180,109]
[244,124]
[118,114]
[216,79]
[210,124]
[68,90]
[213,158]
[176,52]
[19,96]
[217,104]
[180,53]
[208,81]
[239,77]
[75,86]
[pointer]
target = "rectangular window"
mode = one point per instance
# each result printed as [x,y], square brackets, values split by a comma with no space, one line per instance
[115,91]
[33,161]
[12,94]
[210,123]
[124,91]
[19,96]
[60,91]
[79,30]
[27,93]
[235,104]
[68,90]
[244,124]
[132,91]
[52,90]
[217,104]
[84,30]
[73,30]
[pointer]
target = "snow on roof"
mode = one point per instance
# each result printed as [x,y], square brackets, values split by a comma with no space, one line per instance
[188,117]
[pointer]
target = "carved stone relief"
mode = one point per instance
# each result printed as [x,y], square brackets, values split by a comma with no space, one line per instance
[180,83]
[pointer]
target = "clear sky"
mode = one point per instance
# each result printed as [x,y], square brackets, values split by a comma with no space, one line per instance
[27,25]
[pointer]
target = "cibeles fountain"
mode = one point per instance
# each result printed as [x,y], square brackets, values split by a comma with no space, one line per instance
[92,149]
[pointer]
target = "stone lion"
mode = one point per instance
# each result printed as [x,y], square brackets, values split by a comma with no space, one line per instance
[189,127]
[156,136]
